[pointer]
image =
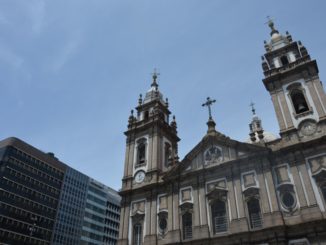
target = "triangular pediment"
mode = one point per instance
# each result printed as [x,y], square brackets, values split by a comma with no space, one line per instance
[213,150]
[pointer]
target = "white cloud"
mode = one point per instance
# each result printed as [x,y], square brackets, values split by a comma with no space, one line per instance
[67,52]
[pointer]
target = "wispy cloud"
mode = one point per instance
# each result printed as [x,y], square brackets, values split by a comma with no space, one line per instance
[10,58]
[68,51]
[37,14]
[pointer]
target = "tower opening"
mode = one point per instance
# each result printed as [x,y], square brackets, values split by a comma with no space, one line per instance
[284,60]
[299,101]
[141,152]
[167,154]
[146,115]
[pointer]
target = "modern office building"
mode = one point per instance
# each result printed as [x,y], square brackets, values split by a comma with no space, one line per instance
[102,214]
[69,220]
[88,212]
[30,183]
[44,201]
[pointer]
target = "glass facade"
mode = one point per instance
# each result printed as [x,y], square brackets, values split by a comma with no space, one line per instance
[67,229]
[30,182]
[88,212]
[102,215]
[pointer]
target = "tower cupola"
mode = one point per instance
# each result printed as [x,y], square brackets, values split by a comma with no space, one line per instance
[153,93]
[257,133]
[256,128]
[291,77]
[153,104]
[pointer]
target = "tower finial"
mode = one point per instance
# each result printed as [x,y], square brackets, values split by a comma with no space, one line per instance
[256,128]
[252,105]
[155,74]
[270,23]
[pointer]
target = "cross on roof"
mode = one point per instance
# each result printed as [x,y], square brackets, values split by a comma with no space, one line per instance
[209,103]
[270,23]
[155,74]
[252,105]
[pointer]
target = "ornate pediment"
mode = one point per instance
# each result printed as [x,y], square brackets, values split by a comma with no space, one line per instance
[252,192]
[186,207]
[216,149]
[213,154]
[213,150]
[217,184]
[216,189]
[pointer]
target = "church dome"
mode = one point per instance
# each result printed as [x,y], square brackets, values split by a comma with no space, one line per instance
[275,37]
[152,94]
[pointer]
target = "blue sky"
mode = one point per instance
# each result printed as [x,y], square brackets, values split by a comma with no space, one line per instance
[71,70]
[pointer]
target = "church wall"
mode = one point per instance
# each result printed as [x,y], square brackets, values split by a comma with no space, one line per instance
[315,98]
[286,110]
[279,111]
[238,221]
[321,96]
[153,156]
[129,154]
[302,202]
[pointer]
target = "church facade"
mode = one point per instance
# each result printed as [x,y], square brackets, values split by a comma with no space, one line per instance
[266,191]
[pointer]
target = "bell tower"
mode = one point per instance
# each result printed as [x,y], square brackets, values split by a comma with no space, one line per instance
[291,77]
[151,140]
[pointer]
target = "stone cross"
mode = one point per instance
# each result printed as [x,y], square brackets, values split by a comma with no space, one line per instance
[209,103]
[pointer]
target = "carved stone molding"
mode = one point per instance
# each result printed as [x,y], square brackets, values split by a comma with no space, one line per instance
[186,207]
[317,164]
[217,194]
[138,208]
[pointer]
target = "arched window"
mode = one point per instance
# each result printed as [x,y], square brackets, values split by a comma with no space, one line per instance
[219,217]
[146,115]
[137,234]
[299,101]
[284,60]
[254,213]
[167,154]
[187,225]
[162,222]
[141,152]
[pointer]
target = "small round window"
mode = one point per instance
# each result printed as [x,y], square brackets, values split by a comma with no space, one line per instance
[288,200]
